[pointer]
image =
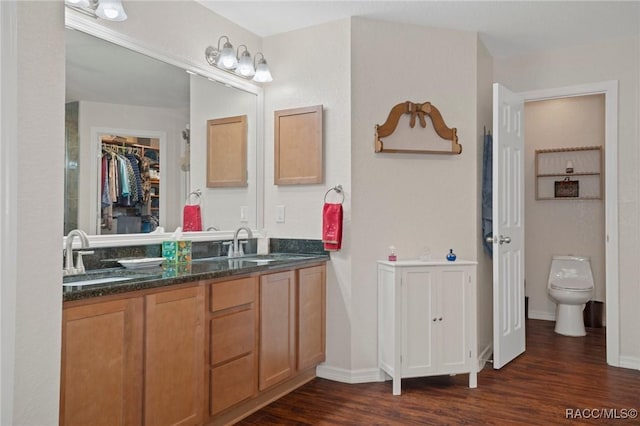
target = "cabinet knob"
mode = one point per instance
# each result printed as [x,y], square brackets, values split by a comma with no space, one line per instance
[434,320]
[440,319]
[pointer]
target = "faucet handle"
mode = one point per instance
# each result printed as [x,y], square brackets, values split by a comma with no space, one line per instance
[230,251]
[240,247]
[79,269]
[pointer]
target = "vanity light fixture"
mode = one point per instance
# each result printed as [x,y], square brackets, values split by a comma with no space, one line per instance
[238,62]
[110,10]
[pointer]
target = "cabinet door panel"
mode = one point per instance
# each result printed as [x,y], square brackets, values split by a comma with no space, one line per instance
[419,322]
[311,316]
[101,380]
[232,383]
[277,328]
[174,357]
[454,311]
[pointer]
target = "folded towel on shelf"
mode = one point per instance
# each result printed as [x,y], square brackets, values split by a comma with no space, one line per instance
[332,226]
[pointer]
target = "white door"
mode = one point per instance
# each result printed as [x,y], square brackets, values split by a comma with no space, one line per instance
[508,226]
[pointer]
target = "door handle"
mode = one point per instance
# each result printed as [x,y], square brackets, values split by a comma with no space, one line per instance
[504,240]
[501,239]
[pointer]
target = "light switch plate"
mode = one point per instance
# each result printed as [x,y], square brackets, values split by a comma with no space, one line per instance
[244,216]
[279,214]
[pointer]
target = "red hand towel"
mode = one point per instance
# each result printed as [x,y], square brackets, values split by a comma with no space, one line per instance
[332,226]
[192,218]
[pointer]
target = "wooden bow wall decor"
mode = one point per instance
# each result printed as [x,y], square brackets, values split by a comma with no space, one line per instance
[418,111]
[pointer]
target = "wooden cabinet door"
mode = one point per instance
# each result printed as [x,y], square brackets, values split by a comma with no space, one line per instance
[101,376]
[277,328]
[311,316]
[174,357]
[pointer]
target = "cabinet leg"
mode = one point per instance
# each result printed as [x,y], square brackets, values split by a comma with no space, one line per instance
[473,380]
[396,385]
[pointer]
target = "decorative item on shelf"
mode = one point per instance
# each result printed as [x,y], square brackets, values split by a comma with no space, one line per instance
[569,167]
[110,10]
[451,256]
[238,63]
[392,254]
[419,111]
[566,188]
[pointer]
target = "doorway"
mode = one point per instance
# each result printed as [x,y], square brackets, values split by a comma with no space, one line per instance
[610,91]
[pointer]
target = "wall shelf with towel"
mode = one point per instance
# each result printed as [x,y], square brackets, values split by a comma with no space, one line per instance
[569,173]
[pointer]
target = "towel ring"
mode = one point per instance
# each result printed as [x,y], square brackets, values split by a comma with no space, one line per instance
[338,189]
[197,193]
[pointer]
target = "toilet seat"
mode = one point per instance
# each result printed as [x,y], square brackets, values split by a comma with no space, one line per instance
[569,284]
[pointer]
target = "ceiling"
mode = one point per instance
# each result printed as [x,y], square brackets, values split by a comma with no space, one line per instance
[506,28]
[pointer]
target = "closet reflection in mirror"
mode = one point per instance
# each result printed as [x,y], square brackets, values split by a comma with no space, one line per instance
[113,92]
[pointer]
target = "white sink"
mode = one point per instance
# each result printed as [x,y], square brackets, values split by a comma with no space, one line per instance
[94,281]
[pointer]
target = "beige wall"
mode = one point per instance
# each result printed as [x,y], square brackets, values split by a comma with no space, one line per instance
[311,66]
[409,201]
[614,60]
[561,226]
[485,266]
[39,202]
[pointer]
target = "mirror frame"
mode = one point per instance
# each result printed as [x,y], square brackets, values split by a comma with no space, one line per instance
[75,21]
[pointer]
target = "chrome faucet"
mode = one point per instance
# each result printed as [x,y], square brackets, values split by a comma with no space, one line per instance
[236,249]
[69,269]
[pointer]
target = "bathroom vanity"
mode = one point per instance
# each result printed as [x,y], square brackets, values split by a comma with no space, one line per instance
[427,319]
[207,344]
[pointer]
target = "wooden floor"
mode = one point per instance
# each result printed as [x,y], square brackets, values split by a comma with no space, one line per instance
[555,374]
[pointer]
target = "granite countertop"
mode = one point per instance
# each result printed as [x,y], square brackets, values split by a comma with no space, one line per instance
[166,275]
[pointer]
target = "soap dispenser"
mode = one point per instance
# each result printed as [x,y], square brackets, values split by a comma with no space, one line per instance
[392,254]
[451,256]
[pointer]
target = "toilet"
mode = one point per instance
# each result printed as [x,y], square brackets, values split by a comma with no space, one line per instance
[571,286]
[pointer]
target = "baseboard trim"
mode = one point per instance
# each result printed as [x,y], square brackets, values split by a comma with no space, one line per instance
[630,362]
[343,375]
[485,356]
[542,315]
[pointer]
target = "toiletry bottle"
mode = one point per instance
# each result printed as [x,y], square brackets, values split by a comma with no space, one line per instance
[392,254]
[451,256]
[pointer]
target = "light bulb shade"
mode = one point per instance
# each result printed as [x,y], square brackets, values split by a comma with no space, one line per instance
[227,58]
[111,10]
[245,65]
[263,75]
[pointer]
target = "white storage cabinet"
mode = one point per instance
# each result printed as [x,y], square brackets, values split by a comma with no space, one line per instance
[427,319]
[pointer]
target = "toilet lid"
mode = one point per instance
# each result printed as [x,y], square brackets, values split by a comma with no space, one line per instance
[572,284]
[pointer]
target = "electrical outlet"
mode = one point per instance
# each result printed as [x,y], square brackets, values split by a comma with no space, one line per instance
[279,214]
[244,214]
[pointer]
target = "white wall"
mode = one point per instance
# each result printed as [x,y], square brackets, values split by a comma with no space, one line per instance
[485,266]
[310,67]
[114,116]
[613,60]
[39,201]
[221,206]
[561,226]
[408,200]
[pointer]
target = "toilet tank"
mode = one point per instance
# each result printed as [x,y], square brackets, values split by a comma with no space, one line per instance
[571,272]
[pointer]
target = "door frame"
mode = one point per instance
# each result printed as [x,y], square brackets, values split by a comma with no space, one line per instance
[610,90]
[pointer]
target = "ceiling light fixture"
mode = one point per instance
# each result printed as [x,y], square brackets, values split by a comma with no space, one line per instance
[110,10]
[238,62]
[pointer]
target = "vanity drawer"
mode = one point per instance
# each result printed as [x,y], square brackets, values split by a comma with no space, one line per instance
[232,335]
[232,383]
[227,294]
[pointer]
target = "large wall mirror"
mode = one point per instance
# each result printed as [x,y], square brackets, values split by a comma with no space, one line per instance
[122,105]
